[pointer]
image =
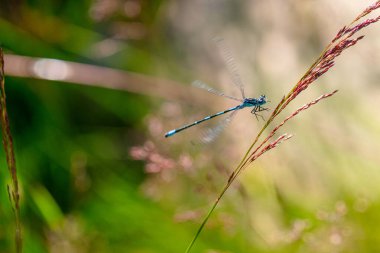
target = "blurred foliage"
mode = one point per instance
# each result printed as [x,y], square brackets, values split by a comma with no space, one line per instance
[97,176]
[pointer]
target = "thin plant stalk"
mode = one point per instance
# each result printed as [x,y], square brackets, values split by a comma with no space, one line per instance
[13,190]
[326,60]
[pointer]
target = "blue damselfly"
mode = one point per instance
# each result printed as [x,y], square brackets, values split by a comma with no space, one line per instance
[256,103]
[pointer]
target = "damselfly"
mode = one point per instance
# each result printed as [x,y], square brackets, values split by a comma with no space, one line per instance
[256,103]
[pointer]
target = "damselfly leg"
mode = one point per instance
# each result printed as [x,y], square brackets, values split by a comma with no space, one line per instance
[257,109]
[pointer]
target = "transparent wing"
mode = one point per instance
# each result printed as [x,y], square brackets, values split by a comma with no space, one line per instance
[210,134]
[231,65]
[202,85]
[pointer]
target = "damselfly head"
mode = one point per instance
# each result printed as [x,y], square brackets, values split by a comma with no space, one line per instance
[262,99]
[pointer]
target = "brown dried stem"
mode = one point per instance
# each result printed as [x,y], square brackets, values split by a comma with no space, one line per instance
[13,191]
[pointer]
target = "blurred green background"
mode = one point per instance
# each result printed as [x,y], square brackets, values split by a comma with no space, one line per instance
[93,85]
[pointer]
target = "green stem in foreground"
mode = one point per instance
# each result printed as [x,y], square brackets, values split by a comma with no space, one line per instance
[208,216]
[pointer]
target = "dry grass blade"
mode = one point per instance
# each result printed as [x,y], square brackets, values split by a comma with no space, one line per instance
[342,41]
[295,113]
[13,191]
[260,150]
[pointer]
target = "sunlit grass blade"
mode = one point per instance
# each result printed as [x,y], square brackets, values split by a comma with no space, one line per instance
[342,41]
